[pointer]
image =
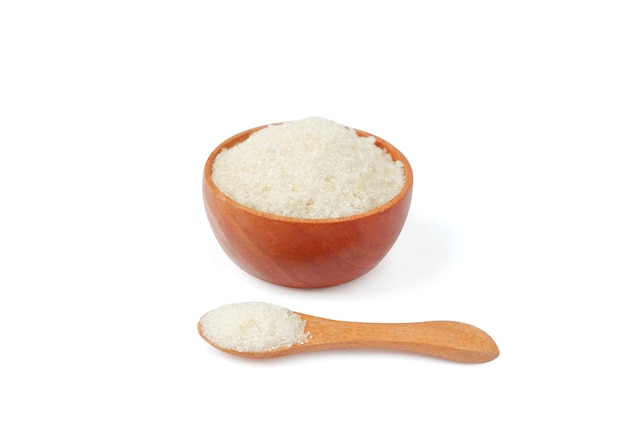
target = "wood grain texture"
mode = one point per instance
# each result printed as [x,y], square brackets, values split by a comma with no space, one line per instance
[305,253]
[455,341]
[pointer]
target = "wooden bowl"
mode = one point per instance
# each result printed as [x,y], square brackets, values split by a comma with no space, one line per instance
[305,253]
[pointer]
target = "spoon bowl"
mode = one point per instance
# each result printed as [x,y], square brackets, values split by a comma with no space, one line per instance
[450,340]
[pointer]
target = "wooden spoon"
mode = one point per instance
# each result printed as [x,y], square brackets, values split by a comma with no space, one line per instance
[449,340]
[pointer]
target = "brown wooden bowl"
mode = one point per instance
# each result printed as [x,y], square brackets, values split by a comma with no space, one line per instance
[305,253]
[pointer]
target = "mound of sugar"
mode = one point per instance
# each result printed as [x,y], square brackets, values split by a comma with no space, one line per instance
[253,326]
[311,168]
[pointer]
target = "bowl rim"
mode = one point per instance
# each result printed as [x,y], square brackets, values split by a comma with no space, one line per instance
[242,136]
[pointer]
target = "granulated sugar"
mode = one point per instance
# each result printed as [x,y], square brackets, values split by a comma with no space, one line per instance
[253,326]
[312,168]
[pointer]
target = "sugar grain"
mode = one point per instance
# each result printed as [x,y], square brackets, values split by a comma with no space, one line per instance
[311,168]
[253,327]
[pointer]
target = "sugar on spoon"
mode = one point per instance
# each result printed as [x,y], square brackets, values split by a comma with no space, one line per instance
[262,330]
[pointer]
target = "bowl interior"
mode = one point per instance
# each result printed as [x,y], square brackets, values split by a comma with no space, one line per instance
[381,143]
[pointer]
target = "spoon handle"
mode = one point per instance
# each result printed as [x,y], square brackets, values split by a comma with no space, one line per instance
[449,340]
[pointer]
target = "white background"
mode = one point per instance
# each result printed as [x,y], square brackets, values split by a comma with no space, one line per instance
[512,114]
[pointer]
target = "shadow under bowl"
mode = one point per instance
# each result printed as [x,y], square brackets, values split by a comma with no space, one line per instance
[300,252]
